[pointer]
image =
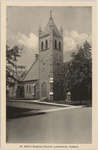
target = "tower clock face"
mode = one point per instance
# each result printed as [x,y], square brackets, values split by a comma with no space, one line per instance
[43,64]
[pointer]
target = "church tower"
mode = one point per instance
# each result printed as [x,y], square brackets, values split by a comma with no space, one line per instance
[51,61]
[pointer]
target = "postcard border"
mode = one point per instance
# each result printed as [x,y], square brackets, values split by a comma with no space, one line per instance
[4,5]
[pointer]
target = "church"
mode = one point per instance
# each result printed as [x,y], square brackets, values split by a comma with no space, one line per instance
[44,79]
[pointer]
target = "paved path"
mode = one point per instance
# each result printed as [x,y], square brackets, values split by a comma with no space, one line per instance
[40,102]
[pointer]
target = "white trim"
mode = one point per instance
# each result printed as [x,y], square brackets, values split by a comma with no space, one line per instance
[51,93]
[51,80]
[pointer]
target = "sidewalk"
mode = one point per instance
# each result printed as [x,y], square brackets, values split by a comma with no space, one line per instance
[41,102]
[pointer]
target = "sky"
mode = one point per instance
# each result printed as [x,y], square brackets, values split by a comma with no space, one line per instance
[23,24]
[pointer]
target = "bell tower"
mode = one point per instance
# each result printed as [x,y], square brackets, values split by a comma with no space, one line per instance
[50,60]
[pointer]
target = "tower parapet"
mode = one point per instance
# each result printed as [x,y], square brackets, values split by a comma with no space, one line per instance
[40,30]
[61,31]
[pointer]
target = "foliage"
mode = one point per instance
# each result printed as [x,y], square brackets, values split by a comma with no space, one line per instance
[78,73]
[11,58]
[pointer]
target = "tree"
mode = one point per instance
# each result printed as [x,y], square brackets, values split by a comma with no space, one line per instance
[78,73]
[11,68]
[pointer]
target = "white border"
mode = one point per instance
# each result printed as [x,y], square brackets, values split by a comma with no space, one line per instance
[92,146]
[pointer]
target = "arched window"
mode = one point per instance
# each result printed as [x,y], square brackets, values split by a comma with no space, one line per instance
[55,44]
[42,45]
[59,45]
[46,44]
[27,88]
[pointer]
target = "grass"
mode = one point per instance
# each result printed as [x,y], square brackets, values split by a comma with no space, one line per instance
[15,112]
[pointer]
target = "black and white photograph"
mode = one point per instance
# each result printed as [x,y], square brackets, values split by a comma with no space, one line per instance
[49,74]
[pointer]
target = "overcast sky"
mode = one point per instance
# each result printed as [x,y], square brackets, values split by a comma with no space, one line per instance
[23,24]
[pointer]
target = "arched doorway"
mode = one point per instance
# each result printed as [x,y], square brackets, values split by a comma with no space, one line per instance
[43,89]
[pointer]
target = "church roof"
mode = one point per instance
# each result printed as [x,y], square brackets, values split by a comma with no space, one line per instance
[33,72]
[51,25]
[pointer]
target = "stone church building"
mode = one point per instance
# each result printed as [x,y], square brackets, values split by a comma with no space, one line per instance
[44,79]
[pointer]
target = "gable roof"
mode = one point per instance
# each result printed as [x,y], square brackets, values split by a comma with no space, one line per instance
[33,72]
